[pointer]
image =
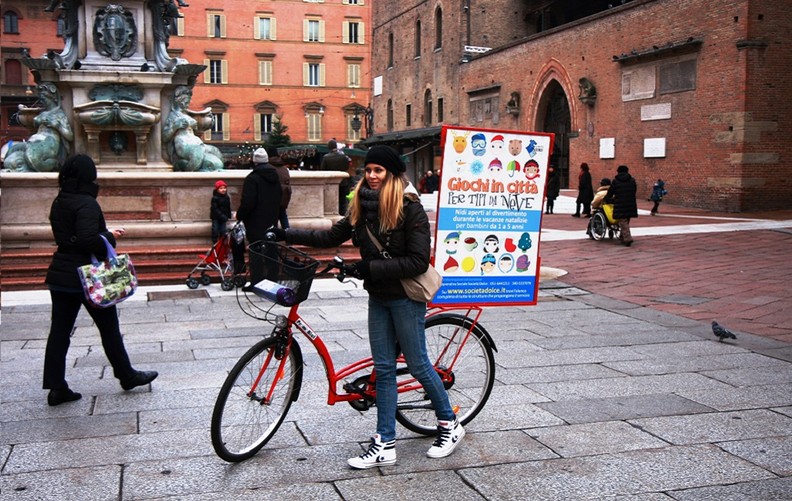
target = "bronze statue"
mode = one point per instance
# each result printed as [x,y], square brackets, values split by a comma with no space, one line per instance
[186,152]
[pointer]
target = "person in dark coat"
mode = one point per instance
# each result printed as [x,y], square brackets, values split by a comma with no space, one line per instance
[78,225]
[389,207]
[553,189]
[625,206]
[585,192]
[285,181]
[259,207]
[337,161]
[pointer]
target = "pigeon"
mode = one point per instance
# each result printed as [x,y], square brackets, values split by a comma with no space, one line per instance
[722,332]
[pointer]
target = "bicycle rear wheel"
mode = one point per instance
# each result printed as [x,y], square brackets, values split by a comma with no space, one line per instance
[469,382]
[244,418]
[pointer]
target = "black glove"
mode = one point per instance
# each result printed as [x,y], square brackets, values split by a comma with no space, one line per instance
[361,270]
[276,234]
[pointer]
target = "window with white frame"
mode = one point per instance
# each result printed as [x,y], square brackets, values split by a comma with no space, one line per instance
[314,118]
[313,74]
[264,28]
[353,75]
[215,25]
[313,30]
[265,72]
[216,72]
[353,32]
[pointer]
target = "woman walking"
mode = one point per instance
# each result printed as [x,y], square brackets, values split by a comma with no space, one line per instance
[386,206]
[585,192]
[78,225]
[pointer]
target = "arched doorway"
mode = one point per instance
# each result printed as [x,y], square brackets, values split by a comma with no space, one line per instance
[554,116]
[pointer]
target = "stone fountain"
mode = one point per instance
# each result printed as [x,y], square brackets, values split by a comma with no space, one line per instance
[115,93]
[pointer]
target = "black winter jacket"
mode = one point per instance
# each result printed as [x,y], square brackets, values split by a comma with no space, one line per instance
[260,205]
[408,244]
[221,207]
[77,222]
[622,195]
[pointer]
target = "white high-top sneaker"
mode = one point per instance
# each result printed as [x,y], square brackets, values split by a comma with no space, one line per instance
[379,453]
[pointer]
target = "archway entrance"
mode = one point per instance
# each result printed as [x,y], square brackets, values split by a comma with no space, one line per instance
[554,116]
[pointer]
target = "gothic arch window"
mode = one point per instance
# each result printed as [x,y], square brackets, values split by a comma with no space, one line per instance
[438,19]
[10,22]
[427,119]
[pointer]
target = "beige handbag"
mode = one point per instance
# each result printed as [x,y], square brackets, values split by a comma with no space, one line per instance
[421,288]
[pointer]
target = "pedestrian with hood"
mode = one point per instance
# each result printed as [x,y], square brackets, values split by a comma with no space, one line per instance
[78,226]
[386,207]
[285,181]
[260,205]
[585,192]
[622,195]
[553,189]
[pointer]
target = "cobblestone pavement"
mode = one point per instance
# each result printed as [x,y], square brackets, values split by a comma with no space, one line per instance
[612,386]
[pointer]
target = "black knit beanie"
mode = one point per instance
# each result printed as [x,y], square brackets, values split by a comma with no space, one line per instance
[386,157]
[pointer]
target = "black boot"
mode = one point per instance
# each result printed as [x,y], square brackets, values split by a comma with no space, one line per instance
[57,397]
[140,378]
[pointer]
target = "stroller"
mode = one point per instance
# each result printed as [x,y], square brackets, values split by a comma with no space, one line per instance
[220,258]
[602,223]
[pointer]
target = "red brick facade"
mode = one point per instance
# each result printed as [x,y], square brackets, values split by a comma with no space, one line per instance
[706,77]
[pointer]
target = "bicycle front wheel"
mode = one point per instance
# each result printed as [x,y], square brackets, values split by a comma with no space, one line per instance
[248,413]
[468,382]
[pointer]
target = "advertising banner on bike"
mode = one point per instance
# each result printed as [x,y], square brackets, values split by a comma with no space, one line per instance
[489,215]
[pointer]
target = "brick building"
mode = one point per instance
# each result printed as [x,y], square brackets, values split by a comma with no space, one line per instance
[305,62]
[691,91]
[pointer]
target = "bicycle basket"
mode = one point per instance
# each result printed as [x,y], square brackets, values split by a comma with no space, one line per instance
[292,269]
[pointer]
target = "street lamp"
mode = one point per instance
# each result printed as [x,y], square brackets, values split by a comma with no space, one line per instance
[357,122]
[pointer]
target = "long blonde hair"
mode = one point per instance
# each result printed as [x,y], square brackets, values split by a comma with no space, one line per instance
[391,202]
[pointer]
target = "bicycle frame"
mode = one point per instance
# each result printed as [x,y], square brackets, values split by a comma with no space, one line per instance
[333,378]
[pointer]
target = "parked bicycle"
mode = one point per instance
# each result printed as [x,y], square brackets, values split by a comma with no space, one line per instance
[261,387]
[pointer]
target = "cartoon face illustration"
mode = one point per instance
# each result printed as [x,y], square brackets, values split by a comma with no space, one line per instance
[451,242]
[491,244]
[506,263]
[479,144]
[495,165]
[512,167]
[460,164]
[497,144]
[531,169]
[487,263]
[515,146]
[460,142]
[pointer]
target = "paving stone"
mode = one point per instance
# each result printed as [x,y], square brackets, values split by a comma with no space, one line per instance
[772,453]
[689,349]
[269,469]
[623,386]
[101,482]
[726,399]
[512,417]
[568,357]
[554,374]
[751,376]
[430,486]
[589,439]
[766,490]
[787,411]
[615,339]
[67,428]
[716,426]
[622,474]
[646,367]
[323,491]
[618,408]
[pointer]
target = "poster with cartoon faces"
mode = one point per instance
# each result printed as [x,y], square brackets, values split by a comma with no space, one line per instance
[489,216]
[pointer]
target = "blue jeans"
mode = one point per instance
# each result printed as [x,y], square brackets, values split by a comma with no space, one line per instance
[401,321]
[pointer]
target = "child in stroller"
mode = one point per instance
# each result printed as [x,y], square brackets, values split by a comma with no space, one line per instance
[220,258]
[601,221]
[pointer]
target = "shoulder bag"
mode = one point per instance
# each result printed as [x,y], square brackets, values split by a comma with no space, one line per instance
[108,282]
[421,288]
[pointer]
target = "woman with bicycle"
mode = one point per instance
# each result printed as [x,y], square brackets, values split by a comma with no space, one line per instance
[386,206]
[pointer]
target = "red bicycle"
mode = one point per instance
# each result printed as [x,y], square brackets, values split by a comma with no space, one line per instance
[259,390]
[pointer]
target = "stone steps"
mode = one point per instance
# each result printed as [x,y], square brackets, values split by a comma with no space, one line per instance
[155,265]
